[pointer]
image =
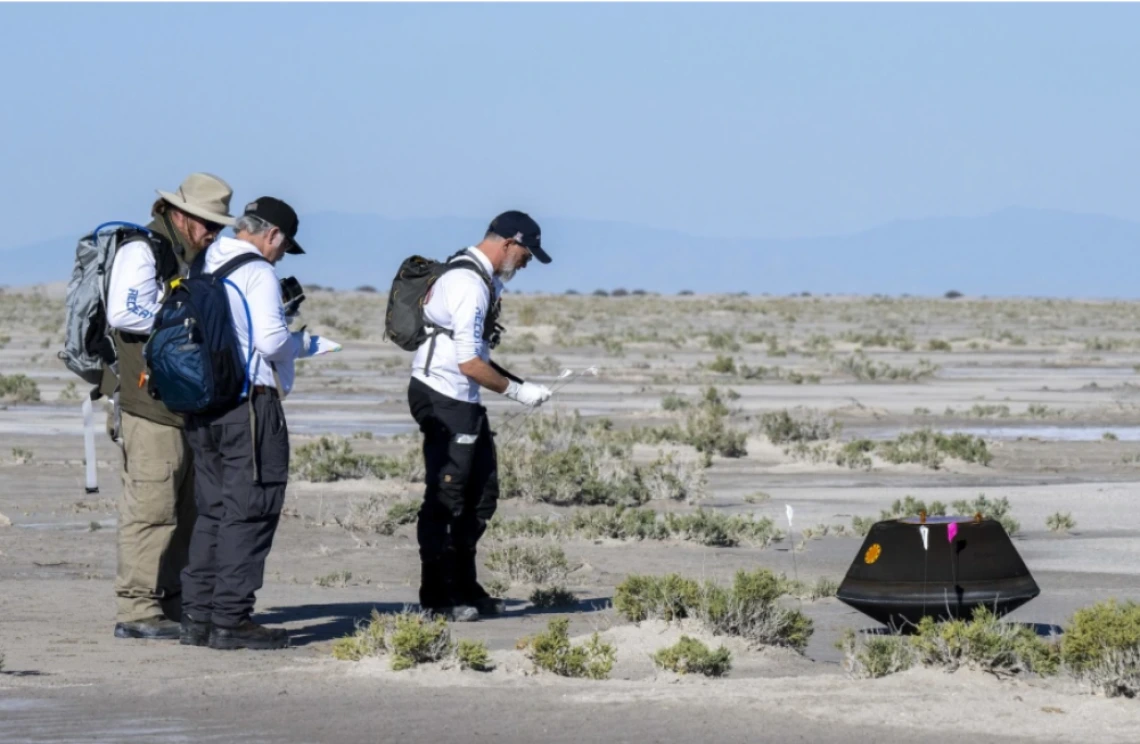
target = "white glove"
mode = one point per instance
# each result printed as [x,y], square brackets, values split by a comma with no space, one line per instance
[528,393]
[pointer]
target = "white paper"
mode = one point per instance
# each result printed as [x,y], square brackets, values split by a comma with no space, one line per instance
[788,507]
[925,531]
[325,346]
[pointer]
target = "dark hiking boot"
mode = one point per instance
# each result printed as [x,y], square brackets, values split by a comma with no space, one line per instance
[194,633]
[454,613]
[248,635]
[155,628]
[490,606]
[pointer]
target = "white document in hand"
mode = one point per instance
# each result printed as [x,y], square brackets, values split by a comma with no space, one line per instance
[325,345]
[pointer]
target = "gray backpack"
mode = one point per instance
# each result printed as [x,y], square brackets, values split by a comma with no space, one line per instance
[87,344]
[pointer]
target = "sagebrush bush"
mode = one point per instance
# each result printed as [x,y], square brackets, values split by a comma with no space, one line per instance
[989,509]
[552,651]
[1095,631]
[331,458]
[929,448]
[409,638]
[909,506]
[564,460]
[782,427]
[749,608]
[632,523]
[527,563]
[1059,522]
[19,388]
[875,656]
[985,643]
[473,655]
[555,596]
[691,656]
[868,370]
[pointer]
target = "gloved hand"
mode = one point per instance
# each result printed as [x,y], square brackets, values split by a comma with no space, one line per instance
[313,345]
[528,393]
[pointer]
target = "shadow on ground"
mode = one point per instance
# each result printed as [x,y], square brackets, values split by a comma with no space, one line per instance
[337,620]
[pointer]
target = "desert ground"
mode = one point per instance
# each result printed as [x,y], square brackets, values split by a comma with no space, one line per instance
[674,389]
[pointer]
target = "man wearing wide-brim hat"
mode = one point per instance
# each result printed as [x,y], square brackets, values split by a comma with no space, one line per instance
[156,509]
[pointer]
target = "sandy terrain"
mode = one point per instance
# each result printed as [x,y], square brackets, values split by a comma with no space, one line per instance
[1065,371]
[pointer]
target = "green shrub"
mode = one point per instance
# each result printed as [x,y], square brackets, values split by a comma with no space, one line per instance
[690,656]
[989,509]
[912,507]
[929,448]
[723,365]
[563,460]
[473,655]
[556,596]
[410,638]
[331,458]
[631,523]
[534,564]
[862,525]
[781,427]
[937,344]
[1100,630]
[552,651]
[984,643]
[875,656]
[1059,522]
[749,608]
[868,370]
[19,388]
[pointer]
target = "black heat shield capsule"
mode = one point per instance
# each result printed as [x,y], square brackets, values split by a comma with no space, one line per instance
[896,582]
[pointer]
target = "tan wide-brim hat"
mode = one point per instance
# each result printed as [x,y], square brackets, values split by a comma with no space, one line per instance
[203,195]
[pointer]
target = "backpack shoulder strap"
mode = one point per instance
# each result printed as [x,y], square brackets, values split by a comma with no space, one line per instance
[467,261]
[228,267]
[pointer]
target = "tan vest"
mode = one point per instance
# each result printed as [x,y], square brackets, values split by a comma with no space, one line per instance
[129,347]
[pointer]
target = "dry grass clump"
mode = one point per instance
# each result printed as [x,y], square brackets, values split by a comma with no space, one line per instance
[930,448]
[982,642]
[989,509]
[552,651]
[630,523]
[529,563]
[749,609]
[707,428]
[565,461]
[924,447]
[1100,646]
[690,656]
[781,427]
[1059,522]
[331,458]
[373,515]
[409,638]
[19,389]
[859,366]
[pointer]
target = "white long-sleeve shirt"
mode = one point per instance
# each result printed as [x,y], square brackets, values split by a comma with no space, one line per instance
[134,290]
[273,342]
[459,302]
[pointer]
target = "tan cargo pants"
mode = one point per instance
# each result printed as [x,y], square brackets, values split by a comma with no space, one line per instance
[156,517]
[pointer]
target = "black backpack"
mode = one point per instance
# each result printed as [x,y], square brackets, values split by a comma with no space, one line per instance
[193,355]
[404,322]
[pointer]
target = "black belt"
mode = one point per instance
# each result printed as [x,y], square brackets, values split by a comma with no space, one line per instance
[270,389]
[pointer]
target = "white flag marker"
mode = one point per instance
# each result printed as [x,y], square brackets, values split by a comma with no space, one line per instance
[925,532]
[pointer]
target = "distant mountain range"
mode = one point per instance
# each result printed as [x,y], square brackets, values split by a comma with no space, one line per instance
[1012,252]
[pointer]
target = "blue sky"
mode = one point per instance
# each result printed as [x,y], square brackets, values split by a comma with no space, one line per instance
[719,120]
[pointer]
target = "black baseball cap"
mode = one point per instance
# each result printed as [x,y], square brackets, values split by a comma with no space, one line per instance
[519,226]
[280,215]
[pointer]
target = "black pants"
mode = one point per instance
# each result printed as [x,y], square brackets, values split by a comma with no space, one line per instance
[237,517]
[462,492]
